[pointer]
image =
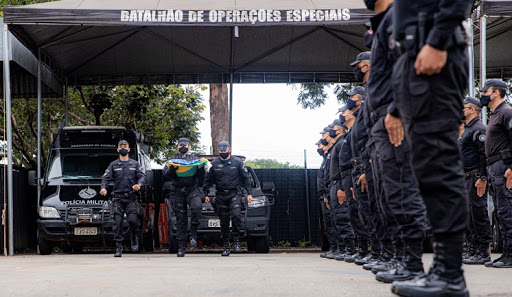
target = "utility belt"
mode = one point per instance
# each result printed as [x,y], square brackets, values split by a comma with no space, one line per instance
[379,113]
[132,195]
[356,161]
[505,155]
[226,192]
[183,189]
[334,182]
[474,172]
[415,37]
[346,173]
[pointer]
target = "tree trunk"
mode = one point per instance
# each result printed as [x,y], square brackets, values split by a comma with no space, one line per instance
[219,114]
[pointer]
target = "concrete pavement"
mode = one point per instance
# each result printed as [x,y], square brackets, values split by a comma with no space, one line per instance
[208,274]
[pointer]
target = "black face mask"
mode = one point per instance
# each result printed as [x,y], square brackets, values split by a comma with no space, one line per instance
[358,74]
[342,119]
[320,151]
[332,133]
[370,4]
[224,155]
[367,39]
[485,100]
[183,149]
[123,152]
[324,141]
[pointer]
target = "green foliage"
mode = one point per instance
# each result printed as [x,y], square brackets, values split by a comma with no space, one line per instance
[303,243]
[284,244]
[312,96]
[270,163]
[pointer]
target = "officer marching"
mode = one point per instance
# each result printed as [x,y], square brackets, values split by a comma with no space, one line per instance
[128,178]
[185,191]
[228,174]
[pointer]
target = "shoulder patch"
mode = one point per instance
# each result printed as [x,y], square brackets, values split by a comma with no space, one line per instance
[481,137]
[509,124]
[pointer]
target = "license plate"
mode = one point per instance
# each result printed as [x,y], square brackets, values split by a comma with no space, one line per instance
[214,223]
[86,231]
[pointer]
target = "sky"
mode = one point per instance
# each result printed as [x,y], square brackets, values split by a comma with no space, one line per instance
[269,124]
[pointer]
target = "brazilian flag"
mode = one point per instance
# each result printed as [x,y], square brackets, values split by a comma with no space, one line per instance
[186,168]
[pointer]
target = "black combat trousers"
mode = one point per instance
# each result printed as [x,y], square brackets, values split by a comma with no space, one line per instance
[364,208]
[340,216]
[430,109]
[229,208]
[479,224]
[330,232]
[402,200]
[180,198]
[133,211]
[377,228]
[503,200]
[353,208]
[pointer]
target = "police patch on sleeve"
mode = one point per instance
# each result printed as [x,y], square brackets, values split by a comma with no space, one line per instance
[106,172]
[481,137]
[510,124]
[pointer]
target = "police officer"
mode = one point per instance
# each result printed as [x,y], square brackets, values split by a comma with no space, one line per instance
[229,175]
[128,178]
[185,191]
[407,228]
[498,149]
[472,146]
[429,79]
[339,211]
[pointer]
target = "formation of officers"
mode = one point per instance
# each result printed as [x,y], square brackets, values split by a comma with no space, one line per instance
[227,173]
[409,157]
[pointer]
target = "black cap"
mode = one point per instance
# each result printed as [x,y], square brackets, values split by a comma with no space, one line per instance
[343,108]
[123,142]
[473,101]
[223,145]
[361,57]
[318,142]
[325,130]
[336,122]
[357,90]
[496,83]
[184,141]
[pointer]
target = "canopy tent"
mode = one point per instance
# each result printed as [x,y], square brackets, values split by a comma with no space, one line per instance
[173,41]
[196,41]
[24,72]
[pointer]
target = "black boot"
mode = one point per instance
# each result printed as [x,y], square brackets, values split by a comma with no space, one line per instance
[362,251]
[409,268]
[193,240]
[398,255]
[134,242]
[331,250]
[505,260]
[236,245]
[481,256]
[489,263]
[226,252]
[119,249]
[181,249]
[445,278]
[470,252]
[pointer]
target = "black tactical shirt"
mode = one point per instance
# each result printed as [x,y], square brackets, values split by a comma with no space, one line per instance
[123,175]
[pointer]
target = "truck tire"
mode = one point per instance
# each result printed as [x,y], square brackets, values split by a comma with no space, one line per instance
[148,242]
[45,247]
[497,241]
[261,244]
[250,244]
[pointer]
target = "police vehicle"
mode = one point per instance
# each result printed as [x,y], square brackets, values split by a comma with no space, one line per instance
[255,216]
[72,213]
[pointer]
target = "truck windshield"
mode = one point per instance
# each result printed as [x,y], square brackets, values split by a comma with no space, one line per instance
[79,163]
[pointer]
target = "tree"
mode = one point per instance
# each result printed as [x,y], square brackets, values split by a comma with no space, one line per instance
[219,114]
[270,163]
[313,95]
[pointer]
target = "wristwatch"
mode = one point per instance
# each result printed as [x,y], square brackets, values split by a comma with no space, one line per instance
[483,177]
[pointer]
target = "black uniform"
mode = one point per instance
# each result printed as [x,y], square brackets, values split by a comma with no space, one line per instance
[339,212]
[398,183]
[185,190]
[124,199]
[430,108]
[323,192]
[358,141]
[472,146]
[229,177]
[498,149]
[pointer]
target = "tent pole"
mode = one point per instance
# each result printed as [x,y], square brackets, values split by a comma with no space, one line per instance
[308,211]
[471,55]
[66,101]
[7,94]
[39,103]
[483,59]
[231,87]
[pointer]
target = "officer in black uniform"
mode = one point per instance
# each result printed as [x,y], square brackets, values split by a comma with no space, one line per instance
[400,188]
[472,146]
[339,210]
[229,176]
[429,79]
[185,191]
[498,149]
[359,139]
[128,178]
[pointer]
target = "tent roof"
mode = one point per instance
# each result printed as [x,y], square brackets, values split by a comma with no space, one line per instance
[164,41]
[497,7]
[24,72]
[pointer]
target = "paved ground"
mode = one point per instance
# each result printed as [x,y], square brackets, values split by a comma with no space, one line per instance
[208,274]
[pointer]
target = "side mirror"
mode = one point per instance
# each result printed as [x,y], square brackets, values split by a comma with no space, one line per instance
[150,177]
[268,187]
[32,178]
